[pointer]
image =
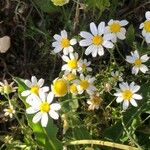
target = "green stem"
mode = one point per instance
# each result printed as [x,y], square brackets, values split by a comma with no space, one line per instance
[102,143]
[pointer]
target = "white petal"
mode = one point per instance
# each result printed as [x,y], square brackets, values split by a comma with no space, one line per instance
[144,32]
[144,58]
[31,110]
[40,82]
[123,30]
[50,97]
[133,102]
[135,70]
[37,117]
[55,106]
[143,68]
[137,96]
[85,42]
[44,119]
[64,34]
[125,104]
[123,22]
[89,49]
[86,35]
[101,28]
[147,37]
[108,36]
[57,49]
[119,99]
[141,25]
[93,28]
[108,44]
[147,15]
[25,93]
[118,94]
[101,50]
[42,95]
[53,114]
[34,80]
[121,36]
[44,89]
[73,41]
[135,88]
[55,44]
[110,21]
[65,58]
[28,83]
[94,52]
[57,37]
[130,59]
[66,51]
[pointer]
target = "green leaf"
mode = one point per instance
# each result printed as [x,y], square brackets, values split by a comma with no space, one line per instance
[45,137]
[130,36]
[46,6]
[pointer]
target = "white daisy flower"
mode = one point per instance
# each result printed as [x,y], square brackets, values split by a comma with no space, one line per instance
[85,84]
[83,66]
[72,63]
[146,27]
[63,43]
[116,28]
[43,107]
[60,87]
[94,101]
[127,94]
[6,88]
[117,75]
[35,88]
[97,40]
[9,111]
[137,62]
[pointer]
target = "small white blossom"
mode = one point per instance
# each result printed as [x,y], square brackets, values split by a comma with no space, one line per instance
[137,62]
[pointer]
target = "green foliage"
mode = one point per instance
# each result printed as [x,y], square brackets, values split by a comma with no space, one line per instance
[130,35]
[46,6]
[99,4]
[45,137]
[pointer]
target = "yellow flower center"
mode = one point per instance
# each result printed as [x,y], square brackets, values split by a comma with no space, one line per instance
[138,62]
[147,25]
[72,64]
[96,100]
[65,43]
[7,89]
[83,67]
[70,76]
[115,27]
[60,87]
[127,94]
[60,2]
[84,84]
[35,90]
[44,107]
[73,89]
[97,40]
[10,110]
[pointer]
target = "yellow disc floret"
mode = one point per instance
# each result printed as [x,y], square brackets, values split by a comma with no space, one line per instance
[60,2]
[138,62]
[115,27]
[60,87]
[70,76]
[72,63]
[73,89]
[97,40]
[65,43]
[127,94]
[45,107]
[35,90]
[147,25]
[84,84]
